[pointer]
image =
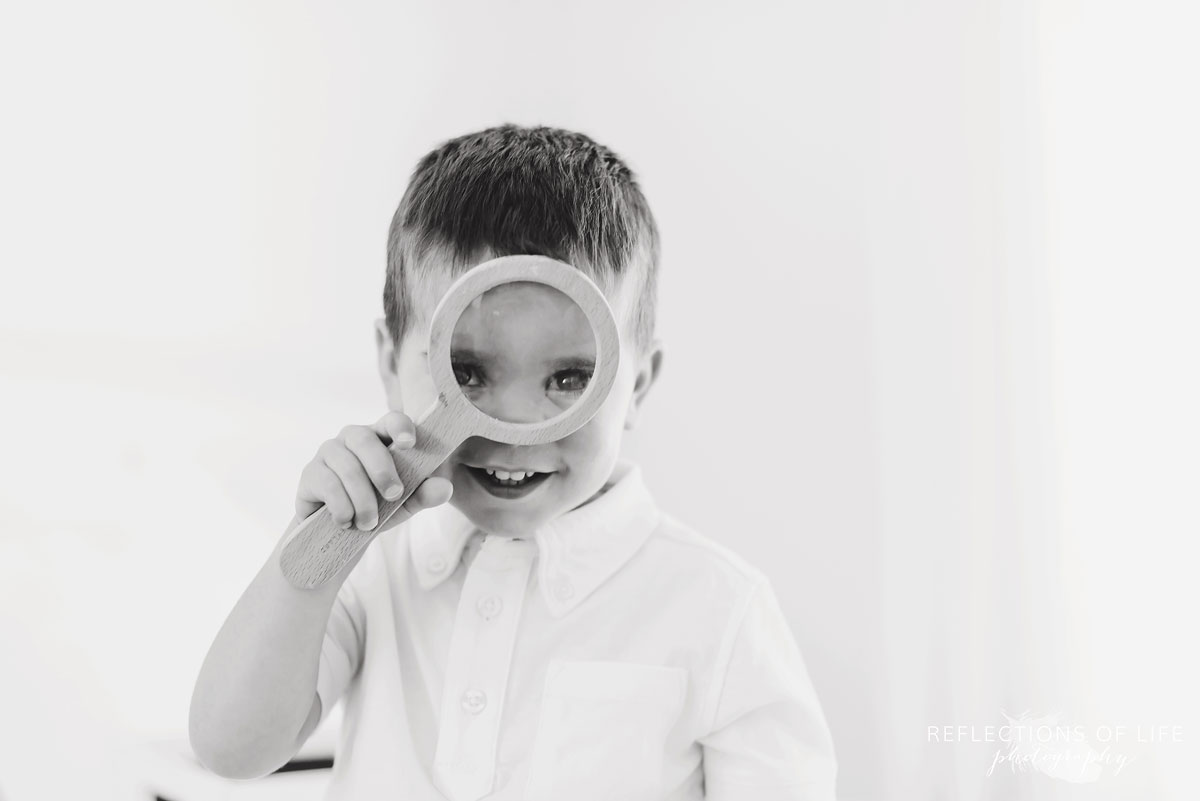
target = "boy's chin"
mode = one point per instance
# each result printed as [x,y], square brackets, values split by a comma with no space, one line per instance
[494,519]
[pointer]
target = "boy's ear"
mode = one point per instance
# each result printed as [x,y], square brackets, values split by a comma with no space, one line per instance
[386,356]
[648,368]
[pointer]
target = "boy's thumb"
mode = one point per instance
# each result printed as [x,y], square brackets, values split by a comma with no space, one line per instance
[435,491]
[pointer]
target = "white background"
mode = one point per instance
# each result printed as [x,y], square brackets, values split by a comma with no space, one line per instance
[929,289]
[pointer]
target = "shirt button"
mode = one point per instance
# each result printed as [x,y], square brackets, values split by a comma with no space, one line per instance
[474,701]
[563,589]
[489,606]
[436,564]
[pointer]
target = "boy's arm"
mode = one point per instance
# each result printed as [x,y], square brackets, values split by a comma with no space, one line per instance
[255,700]
[767,737]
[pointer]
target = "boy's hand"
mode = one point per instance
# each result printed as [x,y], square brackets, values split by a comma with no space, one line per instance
[351,468]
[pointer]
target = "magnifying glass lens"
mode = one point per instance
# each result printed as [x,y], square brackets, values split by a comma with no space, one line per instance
[523,352]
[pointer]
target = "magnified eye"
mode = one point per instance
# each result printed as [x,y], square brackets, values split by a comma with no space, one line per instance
[466,374]
[573,380]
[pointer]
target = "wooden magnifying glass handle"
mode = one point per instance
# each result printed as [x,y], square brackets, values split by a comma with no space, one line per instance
[319,548]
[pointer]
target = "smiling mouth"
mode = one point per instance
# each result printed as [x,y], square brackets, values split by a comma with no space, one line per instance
[506,483]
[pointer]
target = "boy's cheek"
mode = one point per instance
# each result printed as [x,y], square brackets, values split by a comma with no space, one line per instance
[599,436]
[610,417]
[445,470]
[416,389]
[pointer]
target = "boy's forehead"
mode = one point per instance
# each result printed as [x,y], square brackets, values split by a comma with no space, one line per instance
[425,295]
[428,288]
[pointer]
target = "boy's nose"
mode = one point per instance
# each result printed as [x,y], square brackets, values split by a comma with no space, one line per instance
[517,405]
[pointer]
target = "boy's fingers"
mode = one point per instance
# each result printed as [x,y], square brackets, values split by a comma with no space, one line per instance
[432,492]
[355,482]
[376,459]
[396,428]
[320,485]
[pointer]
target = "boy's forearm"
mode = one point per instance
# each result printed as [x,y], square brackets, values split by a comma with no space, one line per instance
[258,682]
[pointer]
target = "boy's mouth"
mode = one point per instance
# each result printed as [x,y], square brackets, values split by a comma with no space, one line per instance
[506,483]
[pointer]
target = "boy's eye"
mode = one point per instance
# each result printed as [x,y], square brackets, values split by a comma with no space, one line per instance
[463,373]
[574,380]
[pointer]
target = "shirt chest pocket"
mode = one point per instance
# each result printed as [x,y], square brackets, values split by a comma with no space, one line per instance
[603,730]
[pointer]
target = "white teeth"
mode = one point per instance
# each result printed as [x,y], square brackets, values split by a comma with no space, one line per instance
[510,475]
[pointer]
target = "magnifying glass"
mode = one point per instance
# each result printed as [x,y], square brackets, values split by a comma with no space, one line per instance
[511,346]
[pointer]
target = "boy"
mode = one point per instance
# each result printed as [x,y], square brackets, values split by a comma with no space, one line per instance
[571,642]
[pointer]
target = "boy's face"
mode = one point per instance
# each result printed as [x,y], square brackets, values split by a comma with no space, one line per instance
[503,377]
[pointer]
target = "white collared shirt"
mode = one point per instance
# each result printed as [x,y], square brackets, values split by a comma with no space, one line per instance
[614,654]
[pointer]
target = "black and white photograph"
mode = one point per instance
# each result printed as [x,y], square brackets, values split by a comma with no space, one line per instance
[575,401]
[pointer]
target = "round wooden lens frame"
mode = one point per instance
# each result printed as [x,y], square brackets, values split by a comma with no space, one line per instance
[318,548]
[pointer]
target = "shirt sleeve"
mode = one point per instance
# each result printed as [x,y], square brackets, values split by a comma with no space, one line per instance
[342,648]
[768,739]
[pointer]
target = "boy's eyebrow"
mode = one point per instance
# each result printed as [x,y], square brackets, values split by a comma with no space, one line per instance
[581,362]
[468,353]
[573,363]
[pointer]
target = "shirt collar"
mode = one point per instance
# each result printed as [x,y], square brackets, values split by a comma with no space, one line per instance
[576,552]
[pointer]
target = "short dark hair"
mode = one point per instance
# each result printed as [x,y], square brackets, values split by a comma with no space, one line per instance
[534,190]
